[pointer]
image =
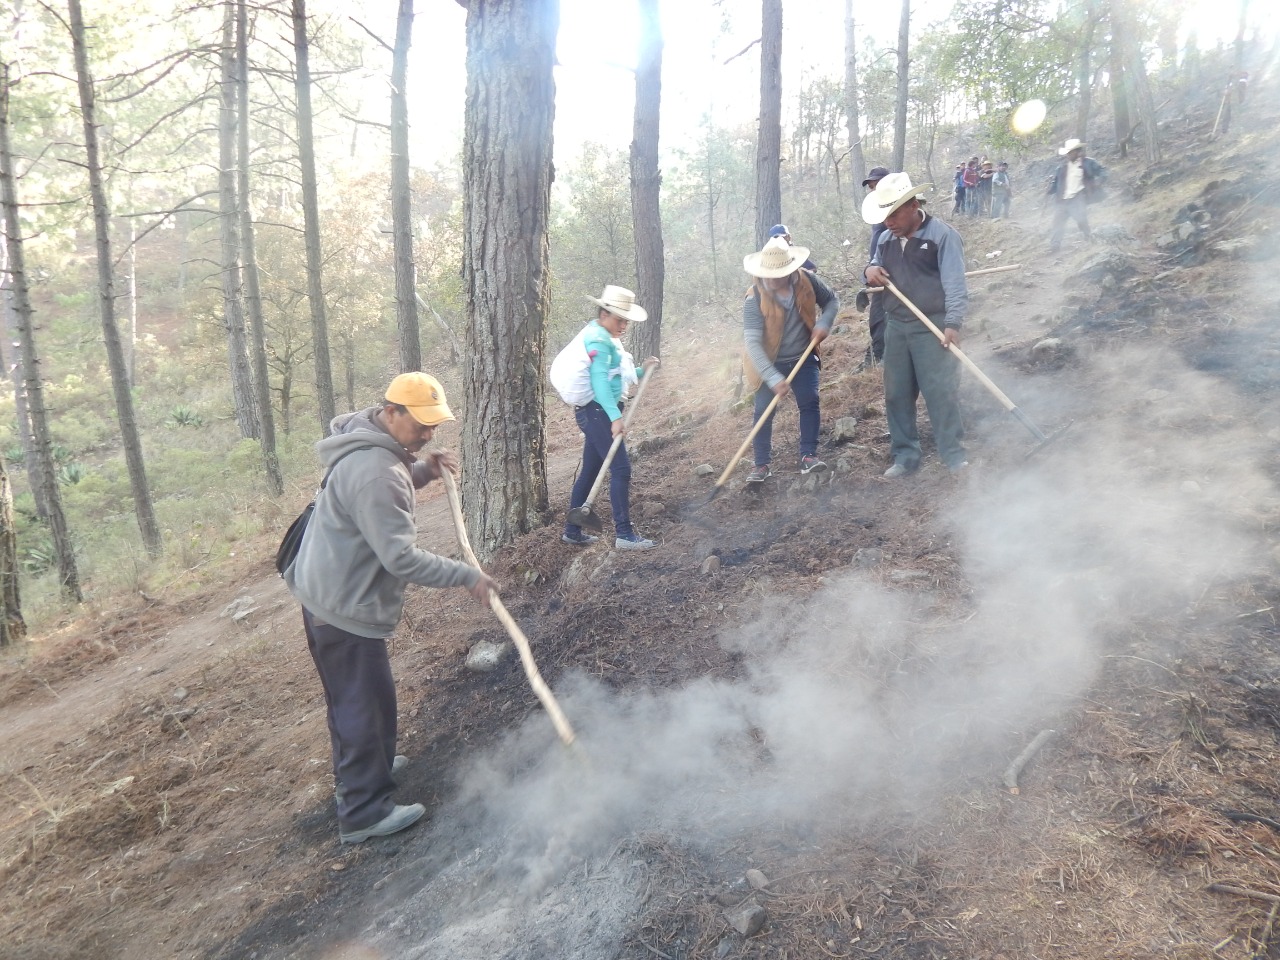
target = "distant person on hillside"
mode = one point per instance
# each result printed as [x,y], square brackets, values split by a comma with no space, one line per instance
[1076,183]
[971,186]
[875,313]
[785,308]
[1001,191]
[924,258]
[592,372]
[959,185]
[359,553]
[781,230]
[985,173]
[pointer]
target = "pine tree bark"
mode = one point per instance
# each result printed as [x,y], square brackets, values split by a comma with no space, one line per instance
[851,111]
[410,334]
[252,293]
[904,89]
[505,270]
[1084,70]
[12,626]
[42,452]
[129,437]
[21,413]
[769,136]
[646,184]
[229,235]
[311,220]
[1119,79]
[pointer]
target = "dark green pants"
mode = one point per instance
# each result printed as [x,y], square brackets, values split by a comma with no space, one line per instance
[916,363]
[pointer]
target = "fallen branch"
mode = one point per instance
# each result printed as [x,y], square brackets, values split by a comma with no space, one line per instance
[1243,892]
[1022,759]
[1241,817]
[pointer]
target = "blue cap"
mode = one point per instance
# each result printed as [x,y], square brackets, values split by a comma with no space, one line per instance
[779,230]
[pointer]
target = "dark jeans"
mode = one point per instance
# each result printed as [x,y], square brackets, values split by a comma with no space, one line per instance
[360,701]
[597,432]
[805,389]
[876,321]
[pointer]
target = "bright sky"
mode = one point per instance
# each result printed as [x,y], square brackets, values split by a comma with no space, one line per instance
[597,40]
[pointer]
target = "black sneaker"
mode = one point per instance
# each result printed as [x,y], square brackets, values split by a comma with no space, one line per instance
[578,539]
[811,464]
[759,474]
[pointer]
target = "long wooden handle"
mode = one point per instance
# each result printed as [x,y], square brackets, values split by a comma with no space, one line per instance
[540,688]
[970,273]
[617,441]
[973,367]
[763,417]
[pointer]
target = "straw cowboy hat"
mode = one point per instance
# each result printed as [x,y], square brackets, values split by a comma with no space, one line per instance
[1072,144]
[777,259]
[621,302]
[890,193]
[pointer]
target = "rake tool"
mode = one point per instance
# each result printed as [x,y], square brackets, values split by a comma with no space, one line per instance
[584,516]
[1042,439]
[768,411]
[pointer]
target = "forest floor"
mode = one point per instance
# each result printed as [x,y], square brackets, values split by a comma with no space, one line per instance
[808,737]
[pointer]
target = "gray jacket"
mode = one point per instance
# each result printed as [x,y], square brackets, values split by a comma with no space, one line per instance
[360,549]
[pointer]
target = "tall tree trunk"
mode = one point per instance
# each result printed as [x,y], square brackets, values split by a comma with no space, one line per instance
[1119,80]
[131,339]
[505,275]
[904,89]
[12,327]
[858,169]
[769,136]
[252,293]
[1084,69]
[401,198]
[129,437]
[12,625]
[229,233]
[42,453]
[646,184]
[713,197]
[311,219]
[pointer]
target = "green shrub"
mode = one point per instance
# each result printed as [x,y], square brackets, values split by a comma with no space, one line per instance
[183,416]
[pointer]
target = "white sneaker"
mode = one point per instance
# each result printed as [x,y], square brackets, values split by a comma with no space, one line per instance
[633,542]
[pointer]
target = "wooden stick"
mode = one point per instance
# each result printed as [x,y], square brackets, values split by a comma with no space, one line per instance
[540,688]
[969,273]
[760,422]
[1022,759]
[1243,892]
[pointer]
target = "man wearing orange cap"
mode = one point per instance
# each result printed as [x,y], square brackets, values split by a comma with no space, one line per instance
[358,555]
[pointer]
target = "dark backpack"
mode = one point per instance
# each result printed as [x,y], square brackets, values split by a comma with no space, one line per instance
[287,552]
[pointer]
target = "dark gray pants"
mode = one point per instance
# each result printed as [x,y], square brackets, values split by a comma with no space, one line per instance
[916,363]
[360,698]
[1077,208]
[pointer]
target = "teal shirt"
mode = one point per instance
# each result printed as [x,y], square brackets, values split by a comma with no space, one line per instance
[606,368]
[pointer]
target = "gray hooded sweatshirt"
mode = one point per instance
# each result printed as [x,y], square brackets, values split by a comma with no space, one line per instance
[360,548]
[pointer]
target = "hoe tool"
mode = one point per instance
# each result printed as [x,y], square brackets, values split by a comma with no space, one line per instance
[1042,440]
[540,688]
[584,516]
[768,411]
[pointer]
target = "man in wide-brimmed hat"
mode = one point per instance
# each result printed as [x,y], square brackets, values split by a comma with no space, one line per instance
[596,370]
[1076,183]
[785,308]
[924,258]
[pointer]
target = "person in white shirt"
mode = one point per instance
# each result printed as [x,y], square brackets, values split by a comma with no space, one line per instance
[1075,184]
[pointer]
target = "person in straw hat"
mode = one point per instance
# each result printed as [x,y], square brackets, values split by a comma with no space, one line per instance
[779,317]
[359,553]
[605,370]
[924,258]
[1075,184]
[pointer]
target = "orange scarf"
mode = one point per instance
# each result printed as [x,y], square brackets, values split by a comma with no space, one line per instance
[775,315]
